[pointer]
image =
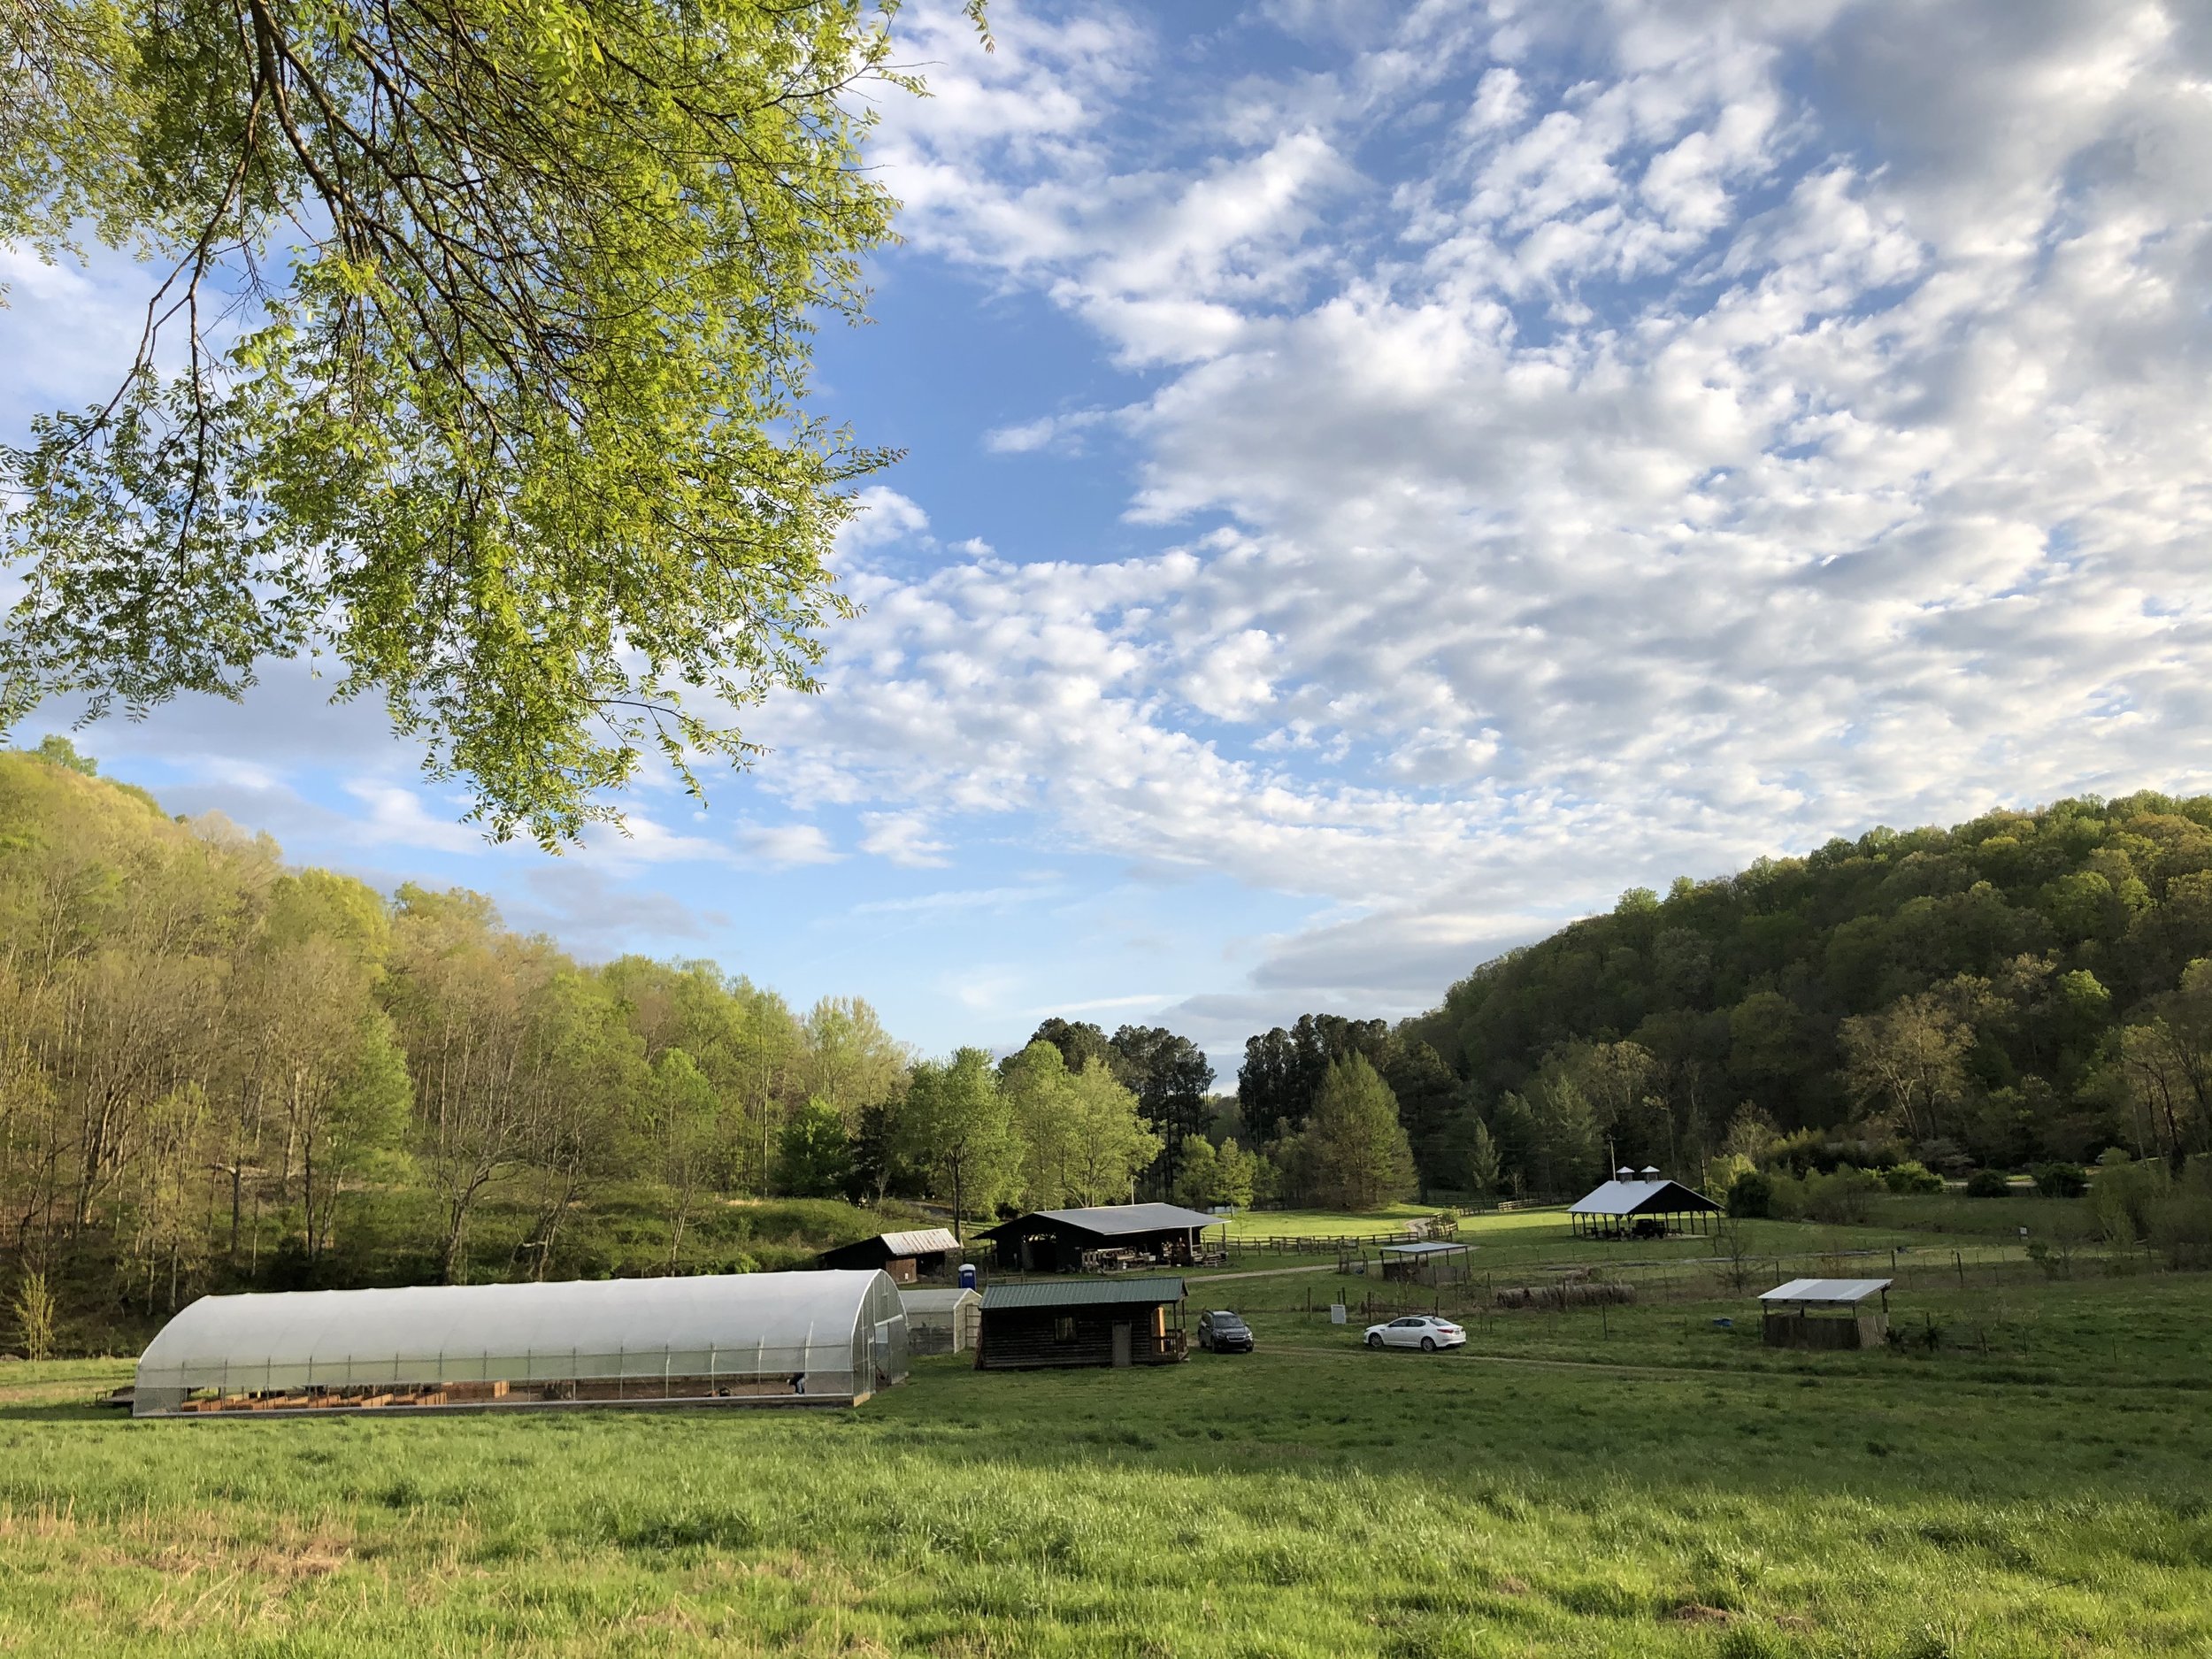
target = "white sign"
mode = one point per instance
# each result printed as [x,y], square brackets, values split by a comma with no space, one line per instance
[1336,1313]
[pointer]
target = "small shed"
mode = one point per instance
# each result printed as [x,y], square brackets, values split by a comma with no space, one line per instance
[1633,1206]
[1432,1263]
[906,1256]
[1108,1238]
[942,1321]
[1082,1322]
[1826,1313]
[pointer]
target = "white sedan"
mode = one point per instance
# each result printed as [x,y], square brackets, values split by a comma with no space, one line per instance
[1423,1331]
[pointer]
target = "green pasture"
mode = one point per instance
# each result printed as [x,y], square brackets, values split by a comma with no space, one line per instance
[1642,1483]
[1327,1223]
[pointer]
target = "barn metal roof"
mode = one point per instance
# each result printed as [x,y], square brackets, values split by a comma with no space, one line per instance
[1084,1293]
[1114,1221]
[1826,1292]
[920,1241]
[1640,1198]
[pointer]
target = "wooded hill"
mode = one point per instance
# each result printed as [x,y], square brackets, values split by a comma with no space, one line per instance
[2028,986]
[220,1072]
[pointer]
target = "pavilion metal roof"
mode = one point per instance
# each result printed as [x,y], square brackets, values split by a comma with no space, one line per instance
[1826,1292]
[1642,1198]
[1084,1293]
[1112,1221]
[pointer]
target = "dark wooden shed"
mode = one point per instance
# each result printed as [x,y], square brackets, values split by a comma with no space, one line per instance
[1082,1322]
[1102,1238]
[906,1256]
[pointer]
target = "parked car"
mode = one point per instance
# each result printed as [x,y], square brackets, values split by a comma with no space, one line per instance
[1224,1332]
[1423,1331]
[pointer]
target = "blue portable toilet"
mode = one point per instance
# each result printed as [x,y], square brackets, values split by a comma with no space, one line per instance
[967,1275]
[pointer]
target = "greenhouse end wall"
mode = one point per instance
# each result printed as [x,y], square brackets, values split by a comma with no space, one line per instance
[757,1339]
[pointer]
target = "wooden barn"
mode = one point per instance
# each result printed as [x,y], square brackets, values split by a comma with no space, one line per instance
[1107,1239]
[1828,1313]
[906,1256]
[1640,1206]
[1082,1322]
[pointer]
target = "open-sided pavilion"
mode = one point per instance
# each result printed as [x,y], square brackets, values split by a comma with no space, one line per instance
[1640,1206]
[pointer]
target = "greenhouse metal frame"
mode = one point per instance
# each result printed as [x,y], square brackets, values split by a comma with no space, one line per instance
[826,1337]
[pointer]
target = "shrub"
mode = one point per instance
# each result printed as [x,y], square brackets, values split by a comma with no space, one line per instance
[2061,1180]
[1988,1184]
[1751,1194]
[1841,1198]
[34,1311]
[1912,1176]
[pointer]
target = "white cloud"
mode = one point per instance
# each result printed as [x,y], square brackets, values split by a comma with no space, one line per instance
[903,838]
[784,845]
[397,817]
[1578,444]
[1745,427]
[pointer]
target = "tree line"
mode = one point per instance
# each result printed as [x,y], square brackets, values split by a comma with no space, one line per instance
[2028,987]
[219,1071]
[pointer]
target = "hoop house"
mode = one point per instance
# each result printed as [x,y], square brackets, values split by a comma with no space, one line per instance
[753,1338]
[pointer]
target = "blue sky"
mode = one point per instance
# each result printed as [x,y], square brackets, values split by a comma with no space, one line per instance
[1381,480]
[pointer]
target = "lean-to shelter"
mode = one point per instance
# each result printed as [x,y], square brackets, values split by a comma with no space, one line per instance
[1826,1313]
[754,1338]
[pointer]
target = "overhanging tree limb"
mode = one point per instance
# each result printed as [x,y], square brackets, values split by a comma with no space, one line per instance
[497,320]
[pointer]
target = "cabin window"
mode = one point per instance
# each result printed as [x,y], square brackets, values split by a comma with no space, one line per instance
[1064,1328]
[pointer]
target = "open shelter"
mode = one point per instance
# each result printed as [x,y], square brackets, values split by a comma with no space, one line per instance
[1430,1263]
[1082,1322]
[1633,1206]
[1109,1237]
[942,1321]
[1825,1313]
[749,1339]
[907,1256]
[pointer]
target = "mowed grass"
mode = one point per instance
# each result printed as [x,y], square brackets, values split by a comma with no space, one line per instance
[1390,1220]
[1645,1489]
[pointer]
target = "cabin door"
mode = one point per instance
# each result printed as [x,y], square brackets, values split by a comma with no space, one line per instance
[1121,1344]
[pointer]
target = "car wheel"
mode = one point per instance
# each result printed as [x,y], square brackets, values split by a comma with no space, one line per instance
[1428,1345]
[1374,1338]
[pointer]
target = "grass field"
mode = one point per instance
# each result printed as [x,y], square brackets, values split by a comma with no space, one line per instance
[1637,1483]
[1327,1224]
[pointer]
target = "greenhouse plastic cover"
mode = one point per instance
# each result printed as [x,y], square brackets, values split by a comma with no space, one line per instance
[832,1326]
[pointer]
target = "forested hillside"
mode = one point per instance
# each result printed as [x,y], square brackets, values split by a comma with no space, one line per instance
[2028,985]
[220,1072]
[217,1071]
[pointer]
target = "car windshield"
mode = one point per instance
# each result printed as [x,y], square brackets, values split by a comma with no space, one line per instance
[1227,1318]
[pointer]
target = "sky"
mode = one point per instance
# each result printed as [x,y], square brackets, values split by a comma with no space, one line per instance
[1381,481]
